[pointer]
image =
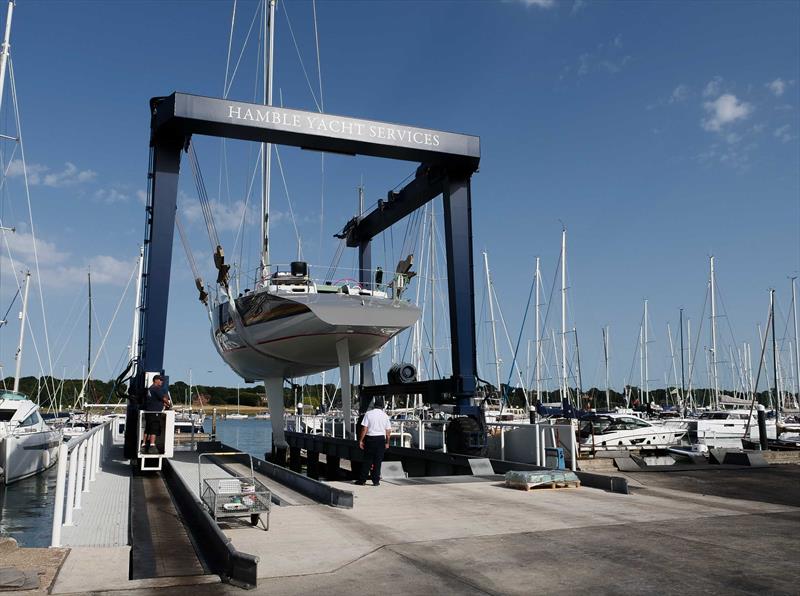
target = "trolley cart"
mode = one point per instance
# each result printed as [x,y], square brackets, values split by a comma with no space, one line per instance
[234,496]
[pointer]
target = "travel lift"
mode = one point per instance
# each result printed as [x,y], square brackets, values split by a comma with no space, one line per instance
[447,162]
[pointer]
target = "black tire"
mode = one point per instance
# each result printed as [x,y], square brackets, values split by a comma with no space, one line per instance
[458,434]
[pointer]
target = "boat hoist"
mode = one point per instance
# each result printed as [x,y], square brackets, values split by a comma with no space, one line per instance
[447,162]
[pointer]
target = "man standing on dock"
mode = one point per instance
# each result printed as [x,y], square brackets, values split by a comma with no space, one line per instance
[376,428]
[156,400]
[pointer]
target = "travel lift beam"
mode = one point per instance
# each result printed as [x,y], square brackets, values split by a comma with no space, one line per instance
[447,160]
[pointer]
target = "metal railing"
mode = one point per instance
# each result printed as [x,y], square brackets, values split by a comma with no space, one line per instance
[79,461]
[557,435]
[427,433]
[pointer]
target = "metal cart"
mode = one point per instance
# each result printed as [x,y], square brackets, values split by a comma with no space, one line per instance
[234,496]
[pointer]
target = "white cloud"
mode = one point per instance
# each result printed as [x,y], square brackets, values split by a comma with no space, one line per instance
[736,156]
[540,3]
[58,267]
[725,110]
[141,196]
[39,174]
[577,6]
[712,87]
[227,218]
[778,86]
[21,246]
[111,195]
[679,94]
[783,133]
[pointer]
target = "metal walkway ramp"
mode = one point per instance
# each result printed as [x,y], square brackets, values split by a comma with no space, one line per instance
[160,544]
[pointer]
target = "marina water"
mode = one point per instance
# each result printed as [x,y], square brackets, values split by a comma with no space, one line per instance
[26,507]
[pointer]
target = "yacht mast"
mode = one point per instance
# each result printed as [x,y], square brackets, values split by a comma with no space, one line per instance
[89,351]
[683,377]
[690,362]
[564,386]
[606,332]
[5,48]
[646,363]
[491,316]
[672,357]
[23,321]
[796,350]
[538,343]
[714,336]
[579,393]
[432,257]
[641,365]
[133,353]
[266,148]
[775,358]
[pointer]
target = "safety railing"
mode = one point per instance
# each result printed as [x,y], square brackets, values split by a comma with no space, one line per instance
[540,436]
[79,461]
[431,434]
[408,432]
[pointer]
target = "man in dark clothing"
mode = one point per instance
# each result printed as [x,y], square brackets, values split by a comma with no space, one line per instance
[156,400]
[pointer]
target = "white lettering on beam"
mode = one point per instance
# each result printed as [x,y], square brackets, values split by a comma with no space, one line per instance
[322,124]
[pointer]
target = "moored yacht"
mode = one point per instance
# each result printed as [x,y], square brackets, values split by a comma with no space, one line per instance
[600,432]
[27,445]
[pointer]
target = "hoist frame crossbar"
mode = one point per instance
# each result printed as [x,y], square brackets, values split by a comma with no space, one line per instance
[447,161]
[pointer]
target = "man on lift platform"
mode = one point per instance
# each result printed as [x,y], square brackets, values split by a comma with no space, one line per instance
[156,400]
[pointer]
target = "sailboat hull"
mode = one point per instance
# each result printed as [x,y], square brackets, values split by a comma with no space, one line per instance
[286,336]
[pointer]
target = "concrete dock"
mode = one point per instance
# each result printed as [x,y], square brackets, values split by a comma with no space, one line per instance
[725,531]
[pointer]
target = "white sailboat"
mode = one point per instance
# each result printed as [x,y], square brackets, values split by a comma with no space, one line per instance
[238,415]
[27,444]
[291,325]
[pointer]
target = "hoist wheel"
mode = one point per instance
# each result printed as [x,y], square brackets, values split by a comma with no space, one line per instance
[464,435]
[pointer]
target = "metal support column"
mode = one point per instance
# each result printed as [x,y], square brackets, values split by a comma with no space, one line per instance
[165,158]
[366,281]
[460,287]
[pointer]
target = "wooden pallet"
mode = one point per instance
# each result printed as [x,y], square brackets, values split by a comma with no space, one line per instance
[555,484]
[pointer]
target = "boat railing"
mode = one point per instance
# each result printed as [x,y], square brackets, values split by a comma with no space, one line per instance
[79,461]
[324,277]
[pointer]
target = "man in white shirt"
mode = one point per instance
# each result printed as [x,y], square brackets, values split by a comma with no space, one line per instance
[376,428]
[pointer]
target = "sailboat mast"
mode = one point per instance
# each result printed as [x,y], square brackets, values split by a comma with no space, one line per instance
[491,316]
[564,386]
[89,351]
[606,331]
[266,148]
[683,377]
[689,357]
[432,268]
[134,350]
[796,351]
[5,48]
[672,357]
[646,362]
[775,358]
[538,335]
[23,321]
[579,395]
[712,282]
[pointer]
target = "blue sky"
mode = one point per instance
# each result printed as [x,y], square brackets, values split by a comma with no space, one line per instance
[658,133]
